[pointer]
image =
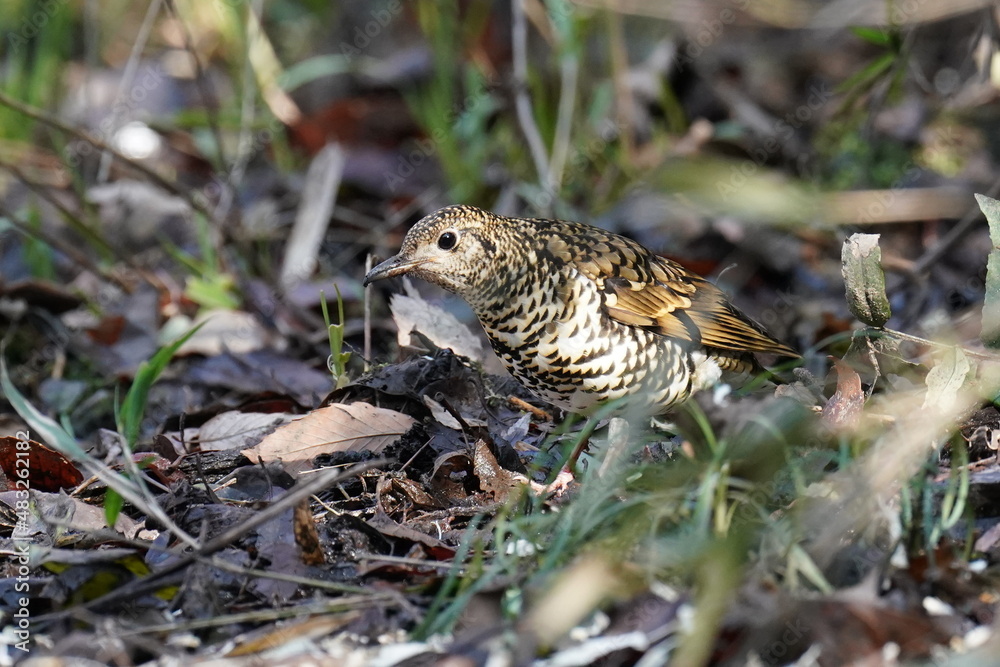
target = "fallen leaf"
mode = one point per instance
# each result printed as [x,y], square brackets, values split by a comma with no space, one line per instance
[232,331]
[31,465]
[493,478]
[336,428]
[946,379]
[843,409]
[306,535]
[232,429]
[387,526]
[411,311]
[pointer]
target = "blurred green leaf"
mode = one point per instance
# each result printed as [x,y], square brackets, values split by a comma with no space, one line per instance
[44,428]
[877,36]
[862,80]
[113,503]
[134,406]
[212,291]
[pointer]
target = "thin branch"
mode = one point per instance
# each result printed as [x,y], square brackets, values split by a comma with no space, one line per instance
[66,248]
[519,39]
[128,76]
[324,479]
[50,120]
[367,355]
[892,333]
[569,70]
[244,144]
[624,104]
[968,221]
[74,220]
[201,82]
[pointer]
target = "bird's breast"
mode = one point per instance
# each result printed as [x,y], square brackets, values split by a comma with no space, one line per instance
[556,338]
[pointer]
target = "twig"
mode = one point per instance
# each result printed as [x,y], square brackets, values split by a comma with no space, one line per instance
[201,82]
[74,254]
[973,216]
[131,67]
[569,68]
[403,560]
[624,112]
[50,120]
[367,355]
[327,478]
[321,610]
[72,218]
[930,343]
[519,39]
[245,146]
[521,404]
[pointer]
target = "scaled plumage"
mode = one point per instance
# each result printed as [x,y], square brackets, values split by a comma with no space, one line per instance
[579,315]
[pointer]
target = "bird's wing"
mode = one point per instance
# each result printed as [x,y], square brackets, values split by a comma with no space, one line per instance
[659,295]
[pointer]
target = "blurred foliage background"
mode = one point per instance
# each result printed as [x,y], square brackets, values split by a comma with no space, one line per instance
[166,160]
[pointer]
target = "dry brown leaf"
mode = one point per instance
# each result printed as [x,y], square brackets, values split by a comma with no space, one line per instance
[493,479]
[411,311]
[306,535]
[221,331]
[336,428]
[232,429]
[389,527]
[843,410]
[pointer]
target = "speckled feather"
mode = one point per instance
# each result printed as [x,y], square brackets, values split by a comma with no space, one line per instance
[579,315]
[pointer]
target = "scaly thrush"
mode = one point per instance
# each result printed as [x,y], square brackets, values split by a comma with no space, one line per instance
[581,316]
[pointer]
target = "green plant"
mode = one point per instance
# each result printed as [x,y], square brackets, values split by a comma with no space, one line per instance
[36,46]
[130,485]
[337,361]
[854,158]
[133,408]
[455,106]
[208,286]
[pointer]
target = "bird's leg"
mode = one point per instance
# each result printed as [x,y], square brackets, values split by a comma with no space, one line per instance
[585,433]
[618,441]
[565,476]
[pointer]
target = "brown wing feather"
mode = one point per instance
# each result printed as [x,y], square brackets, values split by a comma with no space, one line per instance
[680,304]
[723,326]
[652,292]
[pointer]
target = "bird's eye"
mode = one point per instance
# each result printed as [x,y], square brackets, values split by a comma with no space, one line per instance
[447,240]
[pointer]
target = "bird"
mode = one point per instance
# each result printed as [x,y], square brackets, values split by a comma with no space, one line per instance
[582,317]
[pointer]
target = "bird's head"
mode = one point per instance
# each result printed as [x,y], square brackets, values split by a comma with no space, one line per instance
[453,248]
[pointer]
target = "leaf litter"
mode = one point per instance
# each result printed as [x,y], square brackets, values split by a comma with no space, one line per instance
[841,519]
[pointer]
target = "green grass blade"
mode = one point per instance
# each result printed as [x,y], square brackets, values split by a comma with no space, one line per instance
[134,405]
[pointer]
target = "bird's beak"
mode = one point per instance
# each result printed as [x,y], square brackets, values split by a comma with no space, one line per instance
[394,266]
